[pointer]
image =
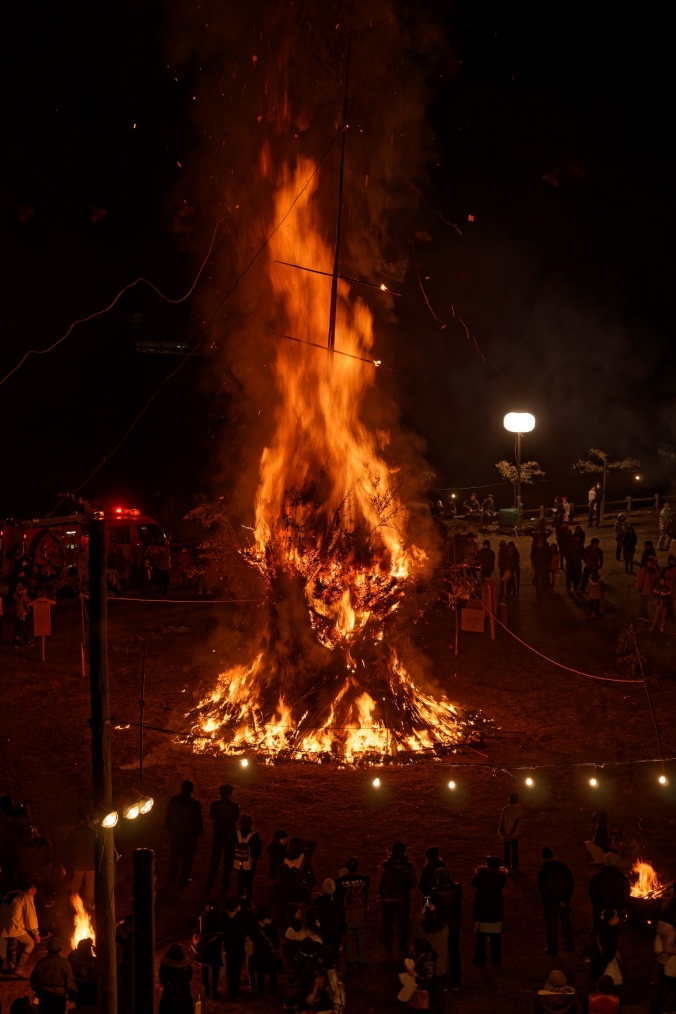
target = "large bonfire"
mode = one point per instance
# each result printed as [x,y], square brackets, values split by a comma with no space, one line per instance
[330,540]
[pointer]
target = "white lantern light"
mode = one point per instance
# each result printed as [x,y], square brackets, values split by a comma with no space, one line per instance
[519,422]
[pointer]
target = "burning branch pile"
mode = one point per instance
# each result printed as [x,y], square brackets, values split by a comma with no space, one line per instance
[331,543]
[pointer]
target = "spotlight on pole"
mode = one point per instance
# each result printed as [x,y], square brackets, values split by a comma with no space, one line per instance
[376,783]
[244,762]
[518,423]
[131,811]
[145,804]
[451,785]
[110,819]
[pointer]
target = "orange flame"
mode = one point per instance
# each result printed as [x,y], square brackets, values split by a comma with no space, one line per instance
[647,883]
[83,924]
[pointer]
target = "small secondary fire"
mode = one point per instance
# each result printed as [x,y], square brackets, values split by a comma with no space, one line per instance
[83,924]
[646,883]
[330,541]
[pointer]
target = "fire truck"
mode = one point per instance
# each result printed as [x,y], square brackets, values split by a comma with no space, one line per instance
[55,551]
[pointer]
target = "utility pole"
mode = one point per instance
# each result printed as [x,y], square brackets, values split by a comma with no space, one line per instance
[102,778]
[518,476]
[334,279]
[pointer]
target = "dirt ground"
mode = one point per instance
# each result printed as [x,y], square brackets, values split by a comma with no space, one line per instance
[544,715]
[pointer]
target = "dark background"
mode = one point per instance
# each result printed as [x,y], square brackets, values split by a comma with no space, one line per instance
[550,129]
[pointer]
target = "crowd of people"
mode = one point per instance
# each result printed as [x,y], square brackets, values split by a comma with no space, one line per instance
[284,932]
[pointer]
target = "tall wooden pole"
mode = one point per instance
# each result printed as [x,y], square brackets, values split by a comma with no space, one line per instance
[104,883]
[336,259]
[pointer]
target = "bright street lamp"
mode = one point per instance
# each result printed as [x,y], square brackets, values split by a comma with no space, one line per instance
[518,423]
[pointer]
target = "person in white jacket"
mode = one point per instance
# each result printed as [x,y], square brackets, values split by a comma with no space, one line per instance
[510,830]
[18,926]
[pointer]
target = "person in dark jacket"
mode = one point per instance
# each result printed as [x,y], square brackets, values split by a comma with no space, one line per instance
[593,561]
[514,586]
[397,880]
[175,976]
[331,915]
[208,947]
[447,899]
[648,551]
[224,814]
[629,548]
[428,878]
[83,963]
[353,891]
[266,958]
[234,939]
[540,557]
[277,852]
[486,558]
[248,850]
[489,882]
[609,888]
[52,980]
[604,942]
[295,876]
[183,822]
[124,947]
[556,884]
[574,556]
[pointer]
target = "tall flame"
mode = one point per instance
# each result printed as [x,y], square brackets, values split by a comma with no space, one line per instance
[647,883]
[83,924]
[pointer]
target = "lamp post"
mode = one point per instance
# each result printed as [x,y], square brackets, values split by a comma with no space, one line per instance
[518,423]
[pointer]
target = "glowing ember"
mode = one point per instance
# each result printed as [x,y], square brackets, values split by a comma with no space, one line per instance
[647,883]
[83,924]
[330,541]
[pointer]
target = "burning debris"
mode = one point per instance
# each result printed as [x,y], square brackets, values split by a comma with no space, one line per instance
[83,928]
[645,882]
[330,540]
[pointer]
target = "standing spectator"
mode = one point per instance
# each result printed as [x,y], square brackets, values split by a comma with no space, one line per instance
[665,518]
[277,852]
[557,514]
[489,882]
[603,1000]
[510,830]
[600,844]
[20,599]
[540,558]
[515,567]
[447,899]
[19,927]
[629,548]
[648,551]
[662,597]
[397,880]
[567,510]
[175,977]
[353,891]
[609,888]
[645,582]
[330,915]
[224,814]
[234,939]
[83,962]
[52,980]
[266,958]
[486,558]
[556,996]
[147,576]
[295,876]
[595,595]
[163,570]
[208,947]
[183,822]
[564,539]
[594,498]
[503,569]
[248,851]
[428,879]
[436,934]
[620,531]
[80,859]
[554,565]
[579,533]
[605,943]
[556,884]
[593,560]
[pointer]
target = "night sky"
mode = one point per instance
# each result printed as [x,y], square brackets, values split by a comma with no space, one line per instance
[549,128]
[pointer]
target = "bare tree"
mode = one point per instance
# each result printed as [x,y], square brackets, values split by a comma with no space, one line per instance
[598,463]
[526,473]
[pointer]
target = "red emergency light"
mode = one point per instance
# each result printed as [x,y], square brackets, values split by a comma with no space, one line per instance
[126,512]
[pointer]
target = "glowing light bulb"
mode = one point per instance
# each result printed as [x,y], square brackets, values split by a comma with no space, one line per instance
[146,804]
[110,819]
[451,785]
[384,288]
[244,762]
[376,783]
[131,811]
[593,782]
[662,779]
[529,781]
[637,477]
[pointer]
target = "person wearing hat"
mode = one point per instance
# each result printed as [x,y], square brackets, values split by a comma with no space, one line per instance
[609,888]
[331,915]
[52,980]
[556,996]
[489,882]
[556,884]
[175,976]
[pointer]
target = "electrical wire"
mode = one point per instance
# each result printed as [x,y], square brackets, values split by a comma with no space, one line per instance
[100,313]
